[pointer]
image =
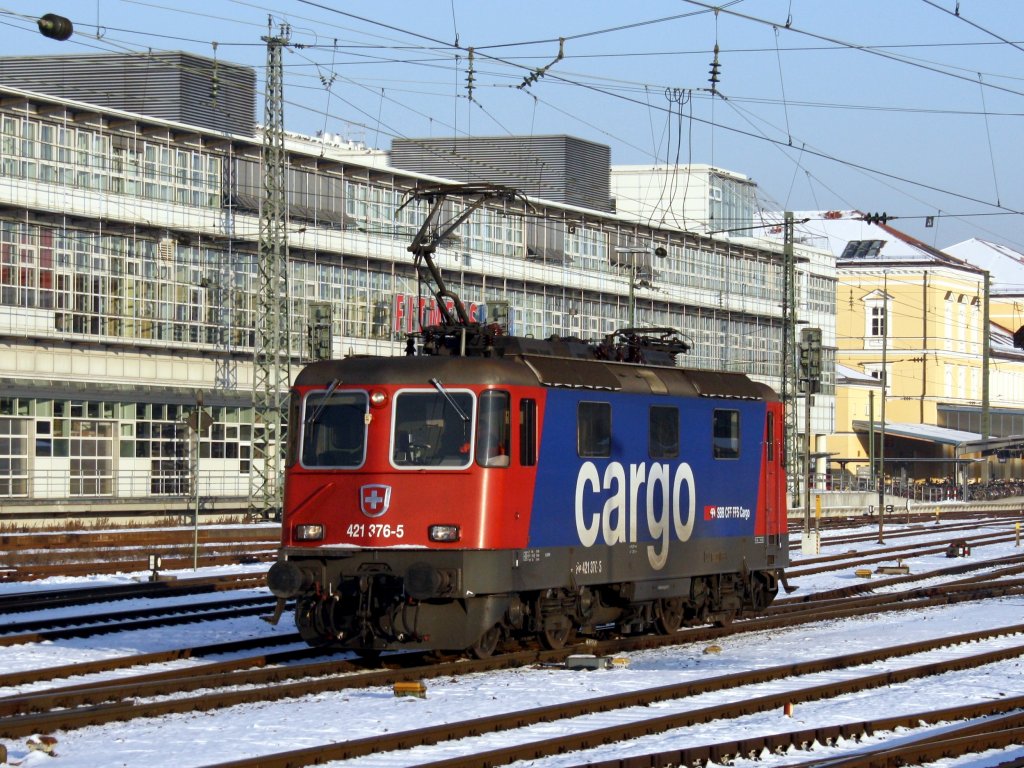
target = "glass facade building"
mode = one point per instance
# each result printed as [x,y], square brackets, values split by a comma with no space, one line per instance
[128,282]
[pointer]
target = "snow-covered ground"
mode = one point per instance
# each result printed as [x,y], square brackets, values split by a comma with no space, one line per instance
[201,739]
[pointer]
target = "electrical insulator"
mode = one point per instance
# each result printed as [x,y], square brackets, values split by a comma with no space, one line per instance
[714,72]
[56,27]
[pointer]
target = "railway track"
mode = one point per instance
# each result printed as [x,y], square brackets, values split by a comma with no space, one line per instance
[583,737]
[52,629]
[35,600]
[272,675]
[975,728]
[139,696]
[843,560]
[135,661]
[28,556]
[919,528]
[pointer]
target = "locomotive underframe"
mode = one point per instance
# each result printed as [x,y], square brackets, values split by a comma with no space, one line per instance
[388,599]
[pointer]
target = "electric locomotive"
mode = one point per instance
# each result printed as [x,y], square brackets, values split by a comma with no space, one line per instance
[486,486]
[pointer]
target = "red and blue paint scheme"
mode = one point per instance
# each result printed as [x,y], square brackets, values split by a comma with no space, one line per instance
[447,501]
[487,488]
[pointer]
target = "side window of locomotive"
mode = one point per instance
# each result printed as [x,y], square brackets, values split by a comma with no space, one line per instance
[492,429]
[663,432]
[334,429]
[294,406]
[594,430]
[528,433]
[726,434]
[433,429]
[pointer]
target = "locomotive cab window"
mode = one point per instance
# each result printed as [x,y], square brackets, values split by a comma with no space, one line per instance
[433,429]
[493,422]
[663,432]
[334,429]
[726,435]
[594,430]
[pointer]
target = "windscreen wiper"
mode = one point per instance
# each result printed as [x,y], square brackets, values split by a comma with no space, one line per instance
[312,418]
[451,401]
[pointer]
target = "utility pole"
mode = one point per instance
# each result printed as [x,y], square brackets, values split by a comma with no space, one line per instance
[986,417]
[885,384]
[199,422]
[271,353]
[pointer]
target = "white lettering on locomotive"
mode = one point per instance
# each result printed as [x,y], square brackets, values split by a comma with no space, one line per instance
[658,488]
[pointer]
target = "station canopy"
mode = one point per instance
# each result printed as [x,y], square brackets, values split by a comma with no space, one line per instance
[964,442]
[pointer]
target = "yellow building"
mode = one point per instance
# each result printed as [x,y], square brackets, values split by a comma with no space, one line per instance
[914,317]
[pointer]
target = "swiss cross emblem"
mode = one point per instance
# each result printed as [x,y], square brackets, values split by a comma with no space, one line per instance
[374,499]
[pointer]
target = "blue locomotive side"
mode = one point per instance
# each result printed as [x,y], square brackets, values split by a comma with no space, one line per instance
[623,468]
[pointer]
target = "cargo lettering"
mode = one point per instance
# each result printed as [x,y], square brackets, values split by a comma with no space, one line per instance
[657,489]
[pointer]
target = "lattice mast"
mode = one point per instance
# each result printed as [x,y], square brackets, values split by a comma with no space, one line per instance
[789,350]
[271,353]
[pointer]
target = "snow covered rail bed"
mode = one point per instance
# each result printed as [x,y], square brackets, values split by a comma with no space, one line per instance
[978,727]
[81,669]
[49,629]
[840,677]
[36,599]
[34,555]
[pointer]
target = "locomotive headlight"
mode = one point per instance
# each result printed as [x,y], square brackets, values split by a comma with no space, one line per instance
[443,532]
[309,532]
[378,398]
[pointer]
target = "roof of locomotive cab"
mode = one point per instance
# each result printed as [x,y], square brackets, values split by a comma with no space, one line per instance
[534,370]
[450,370]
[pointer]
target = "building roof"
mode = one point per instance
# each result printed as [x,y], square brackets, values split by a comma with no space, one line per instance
[845,375]
[837,231]
[927,432]
[1005,265]
[170,85]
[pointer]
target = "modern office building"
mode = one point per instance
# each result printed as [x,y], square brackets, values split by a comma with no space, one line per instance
[128,288]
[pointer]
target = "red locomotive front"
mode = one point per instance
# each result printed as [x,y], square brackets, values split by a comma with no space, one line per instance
[408,465]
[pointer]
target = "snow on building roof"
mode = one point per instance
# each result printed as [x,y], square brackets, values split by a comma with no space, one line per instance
[847,375]
[837,230]
[1002,262]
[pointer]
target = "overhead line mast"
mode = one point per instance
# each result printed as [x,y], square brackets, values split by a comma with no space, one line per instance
[791,456]
[271,348]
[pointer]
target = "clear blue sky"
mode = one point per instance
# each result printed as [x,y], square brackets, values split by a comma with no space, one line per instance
[899,106]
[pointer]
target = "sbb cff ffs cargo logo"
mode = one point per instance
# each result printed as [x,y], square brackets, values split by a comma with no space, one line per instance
[726,513]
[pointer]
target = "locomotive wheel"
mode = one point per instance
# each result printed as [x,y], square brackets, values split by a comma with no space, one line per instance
[724,619]
[486,645]
[554,627]
[554,638]
[669,615]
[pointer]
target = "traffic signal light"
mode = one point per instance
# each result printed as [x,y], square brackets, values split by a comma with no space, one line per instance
[810,360]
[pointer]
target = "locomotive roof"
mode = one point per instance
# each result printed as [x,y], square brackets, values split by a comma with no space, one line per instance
[534,369]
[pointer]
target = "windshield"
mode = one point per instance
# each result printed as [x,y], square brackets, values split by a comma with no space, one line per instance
[433,429]
[334,429]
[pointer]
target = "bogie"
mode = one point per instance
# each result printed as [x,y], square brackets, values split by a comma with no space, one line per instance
[371,614]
